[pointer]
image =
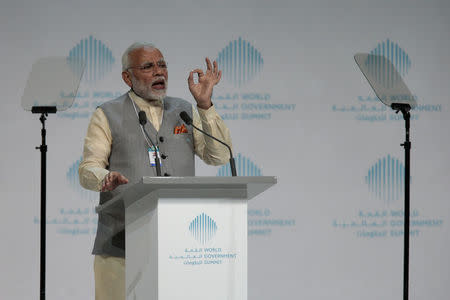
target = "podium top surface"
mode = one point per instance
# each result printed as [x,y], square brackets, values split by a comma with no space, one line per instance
[191,187]
[208,181]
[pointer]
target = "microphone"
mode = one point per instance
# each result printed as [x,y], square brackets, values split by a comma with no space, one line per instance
[142,118]
[143,121]
[187,119]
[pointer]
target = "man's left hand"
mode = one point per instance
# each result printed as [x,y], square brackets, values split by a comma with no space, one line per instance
[202,91]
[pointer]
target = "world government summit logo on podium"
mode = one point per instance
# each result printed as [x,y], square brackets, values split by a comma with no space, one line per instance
[97,56]
[203,228]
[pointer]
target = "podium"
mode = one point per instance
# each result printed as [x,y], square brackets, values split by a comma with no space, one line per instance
[186,237]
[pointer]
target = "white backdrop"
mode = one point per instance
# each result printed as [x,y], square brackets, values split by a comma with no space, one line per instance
[304,113]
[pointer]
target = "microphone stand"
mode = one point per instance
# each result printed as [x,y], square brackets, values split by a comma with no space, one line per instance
[156,150]
[187,119]
[232,163]
[405,108]
[143,120]
[44,111]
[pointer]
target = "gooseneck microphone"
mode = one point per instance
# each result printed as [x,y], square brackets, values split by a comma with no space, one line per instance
[187,119]
[143,121]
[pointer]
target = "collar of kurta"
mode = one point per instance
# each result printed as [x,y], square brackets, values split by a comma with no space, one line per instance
[142,102]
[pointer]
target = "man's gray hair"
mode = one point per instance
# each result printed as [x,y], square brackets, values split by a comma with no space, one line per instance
[134,46]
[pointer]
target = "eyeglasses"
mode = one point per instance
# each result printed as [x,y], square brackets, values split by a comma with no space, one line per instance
[150,67]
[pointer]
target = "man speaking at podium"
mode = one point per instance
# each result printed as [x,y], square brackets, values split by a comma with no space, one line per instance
[118,151]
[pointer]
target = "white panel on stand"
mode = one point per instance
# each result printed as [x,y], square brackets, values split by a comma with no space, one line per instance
[202,249]
[186,238]
[189,249]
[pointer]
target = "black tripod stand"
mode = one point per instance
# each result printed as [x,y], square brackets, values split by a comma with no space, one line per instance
[44,111]
[405,108]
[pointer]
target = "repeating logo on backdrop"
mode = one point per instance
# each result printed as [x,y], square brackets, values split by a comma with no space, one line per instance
[385,179]
[244,167]
[74,182]
[240,62]
[388,74]
[97,57]
[369,108]
[203,228]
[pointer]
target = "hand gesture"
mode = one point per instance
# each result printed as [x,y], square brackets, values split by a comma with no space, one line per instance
[113,180]
[202,91]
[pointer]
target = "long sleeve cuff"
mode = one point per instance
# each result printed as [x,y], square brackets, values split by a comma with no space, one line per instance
[208,115]
[209,150]
[91,177]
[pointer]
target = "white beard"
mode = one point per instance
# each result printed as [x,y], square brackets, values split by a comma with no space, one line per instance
[146,92]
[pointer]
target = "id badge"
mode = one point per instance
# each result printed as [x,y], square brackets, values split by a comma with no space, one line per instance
[152,155]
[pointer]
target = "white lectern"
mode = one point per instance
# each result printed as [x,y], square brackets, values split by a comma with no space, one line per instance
[186,237]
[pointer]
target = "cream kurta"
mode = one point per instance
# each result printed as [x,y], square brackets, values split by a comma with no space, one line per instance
[97,144]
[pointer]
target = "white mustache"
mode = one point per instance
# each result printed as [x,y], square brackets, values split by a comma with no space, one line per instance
[158,79]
